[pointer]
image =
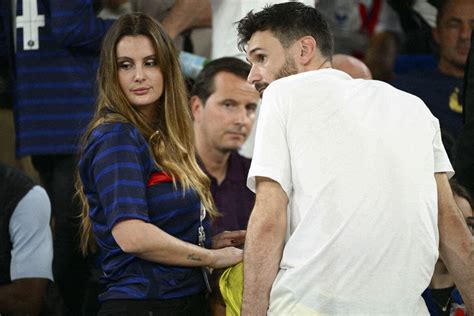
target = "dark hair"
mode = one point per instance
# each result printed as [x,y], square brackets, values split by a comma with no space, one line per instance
[288,22]
[460,191]
[442,4]
[204,85]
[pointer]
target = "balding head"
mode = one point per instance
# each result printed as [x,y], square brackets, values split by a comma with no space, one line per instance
[352,66]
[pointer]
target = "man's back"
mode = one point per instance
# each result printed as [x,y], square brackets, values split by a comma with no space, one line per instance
[363,213]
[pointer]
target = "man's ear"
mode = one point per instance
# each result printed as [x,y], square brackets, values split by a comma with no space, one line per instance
[196,107]
[307,46]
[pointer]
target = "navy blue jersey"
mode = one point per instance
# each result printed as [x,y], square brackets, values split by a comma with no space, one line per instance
[122,182]
[57,48]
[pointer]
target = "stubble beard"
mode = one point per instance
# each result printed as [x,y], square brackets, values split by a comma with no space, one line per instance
[288,68]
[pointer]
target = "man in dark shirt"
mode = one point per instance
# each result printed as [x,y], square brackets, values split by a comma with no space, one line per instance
[223,105]
[463,162]
[441,89]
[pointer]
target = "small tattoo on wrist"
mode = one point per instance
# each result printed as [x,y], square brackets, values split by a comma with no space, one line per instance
[194,257]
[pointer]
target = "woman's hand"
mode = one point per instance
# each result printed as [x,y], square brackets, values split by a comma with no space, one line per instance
[225,257]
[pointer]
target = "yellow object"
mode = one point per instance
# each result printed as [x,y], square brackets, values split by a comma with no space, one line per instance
[231,285]
[454,103]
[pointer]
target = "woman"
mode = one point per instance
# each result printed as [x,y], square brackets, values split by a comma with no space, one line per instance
[144,197]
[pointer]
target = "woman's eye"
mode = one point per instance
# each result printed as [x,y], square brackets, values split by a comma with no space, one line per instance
[125,65]
[151,62]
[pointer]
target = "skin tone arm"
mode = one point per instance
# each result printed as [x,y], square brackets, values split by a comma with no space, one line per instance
[381,54]
[187,14]
[455,242]
[263,245]
[148,242]
[22,296]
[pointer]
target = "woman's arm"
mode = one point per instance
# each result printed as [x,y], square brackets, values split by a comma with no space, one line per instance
[149,242]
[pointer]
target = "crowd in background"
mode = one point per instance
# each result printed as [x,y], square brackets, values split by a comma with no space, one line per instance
[50,92]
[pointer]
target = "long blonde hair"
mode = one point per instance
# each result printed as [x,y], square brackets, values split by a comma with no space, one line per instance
[172,140]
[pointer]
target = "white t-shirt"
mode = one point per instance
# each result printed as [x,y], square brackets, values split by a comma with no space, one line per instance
[30,234]
[357,160]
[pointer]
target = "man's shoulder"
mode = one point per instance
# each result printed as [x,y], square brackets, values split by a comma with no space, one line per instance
[239,165]
[313,79]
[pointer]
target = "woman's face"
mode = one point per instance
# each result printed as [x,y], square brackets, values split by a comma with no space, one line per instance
[139,75]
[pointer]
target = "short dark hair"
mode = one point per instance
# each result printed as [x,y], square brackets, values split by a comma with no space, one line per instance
[442,4]
[204,85]
[288,22]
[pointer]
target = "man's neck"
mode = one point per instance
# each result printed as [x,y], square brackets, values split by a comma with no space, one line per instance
[451,70]
[317,63]
[215,161]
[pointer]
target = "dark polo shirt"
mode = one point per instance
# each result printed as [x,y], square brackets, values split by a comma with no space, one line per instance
[232,197]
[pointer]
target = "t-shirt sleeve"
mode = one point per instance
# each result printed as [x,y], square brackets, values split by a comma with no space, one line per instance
[441,159]
[271,156]
[118,171]
[30,234]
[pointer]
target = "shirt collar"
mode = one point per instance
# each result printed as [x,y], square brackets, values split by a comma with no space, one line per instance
[234,168]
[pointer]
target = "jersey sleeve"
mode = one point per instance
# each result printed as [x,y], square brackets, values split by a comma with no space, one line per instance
[271,157]
[30,233]
[118,170]
[76,25]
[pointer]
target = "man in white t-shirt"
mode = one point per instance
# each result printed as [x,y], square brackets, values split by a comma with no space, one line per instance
[352,172]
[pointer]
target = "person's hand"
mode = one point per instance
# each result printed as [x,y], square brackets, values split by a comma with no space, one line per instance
[225,257]
[227,238]
[187,14]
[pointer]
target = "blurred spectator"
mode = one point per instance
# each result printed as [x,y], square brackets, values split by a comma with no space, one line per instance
[367,29]
[352,66]
[441,89]
[7,128]
[57,45]
[188,22]
[417,18]
[464,162]
[223,105]
[26,249]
